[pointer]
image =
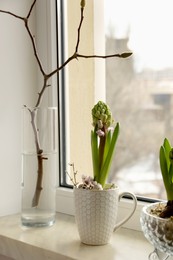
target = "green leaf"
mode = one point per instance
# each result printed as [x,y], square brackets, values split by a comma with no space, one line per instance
[165,173]
[107,145]
[95,154]
[171,173]
[106,166]
[163,165]
[167,148]
[166,168]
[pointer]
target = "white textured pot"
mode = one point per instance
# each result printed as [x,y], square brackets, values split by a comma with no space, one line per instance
[96,214]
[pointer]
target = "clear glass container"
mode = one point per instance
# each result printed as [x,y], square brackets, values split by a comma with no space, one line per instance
[39,166]
[158,231]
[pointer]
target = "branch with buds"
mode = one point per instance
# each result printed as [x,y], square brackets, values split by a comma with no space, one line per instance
[46,77]
[73,179]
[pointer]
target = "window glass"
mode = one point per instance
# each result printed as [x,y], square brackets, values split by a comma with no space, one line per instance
[140,89]
[76,91]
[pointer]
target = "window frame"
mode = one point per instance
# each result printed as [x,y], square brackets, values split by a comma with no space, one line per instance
[61,93]
[65,204]
[64,195]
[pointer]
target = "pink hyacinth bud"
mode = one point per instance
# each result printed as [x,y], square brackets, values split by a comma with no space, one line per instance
[100,133]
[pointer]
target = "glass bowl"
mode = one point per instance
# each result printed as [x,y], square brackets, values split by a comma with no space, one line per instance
[158,231]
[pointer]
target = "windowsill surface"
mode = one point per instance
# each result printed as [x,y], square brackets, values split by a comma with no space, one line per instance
[61,241]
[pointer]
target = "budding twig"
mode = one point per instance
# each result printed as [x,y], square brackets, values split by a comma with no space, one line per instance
[46,77]
[73,180]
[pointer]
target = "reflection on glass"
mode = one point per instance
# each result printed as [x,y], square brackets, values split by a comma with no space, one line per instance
[140,89]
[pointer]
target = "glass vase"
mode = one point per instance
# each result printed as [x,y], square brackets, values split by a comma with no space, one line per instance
[39,166]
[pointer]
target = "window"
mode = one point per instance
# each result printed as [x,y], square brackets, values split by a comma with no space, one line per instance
[84,85]
[138,89]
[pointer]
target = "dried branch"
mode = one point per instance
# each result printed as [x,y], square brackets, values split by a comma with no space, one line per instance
[31,8]
[34,46]
[79,29]
[33,114]
[38,188]
[73,179]
[122,55]
[76,55]
[40,94]
[10,13]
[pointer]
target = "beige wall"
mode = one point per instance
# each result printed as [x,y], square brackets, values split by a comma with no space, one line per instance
[18,86]
[2,257]
[81,87]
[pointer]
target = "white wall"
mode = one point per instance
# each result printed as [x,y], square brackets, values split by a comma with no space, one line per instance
[17,85]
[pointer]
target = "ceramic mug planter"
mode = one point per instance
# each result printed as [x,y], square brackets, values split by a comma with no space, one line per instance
[158,231]
[96,214]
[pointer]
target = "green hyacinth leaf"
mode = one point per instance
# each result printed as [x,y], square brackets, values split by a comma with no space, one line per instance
[107,145]
[164,168]
[167,148]
[169,158]
[95,154]
[106,166]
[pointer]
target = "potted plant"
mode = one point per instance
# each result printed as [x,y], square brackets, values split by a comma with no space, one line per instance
[103,141]
[96,201]
[157,218]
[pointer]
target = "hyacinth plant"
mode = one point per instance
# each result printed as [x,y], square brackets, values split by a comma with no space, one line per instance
[103,141]
[166,166]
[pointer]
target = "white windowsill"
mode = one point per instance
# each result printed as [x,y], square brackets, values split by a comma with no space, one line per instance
[61,241]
